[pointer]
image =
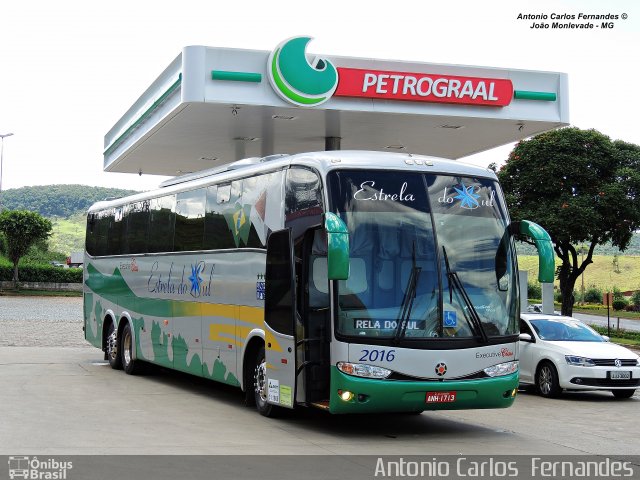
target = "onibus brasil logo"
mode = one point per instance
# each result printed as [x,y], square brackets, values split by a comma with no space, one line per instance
[296,79]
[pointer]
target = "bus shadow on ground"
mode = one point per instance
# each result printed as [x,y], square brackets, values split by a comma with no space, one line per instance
[353,426]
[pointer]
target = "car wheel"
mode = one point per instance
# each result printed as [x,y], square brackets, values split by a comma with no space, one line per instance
[547,381]
[260,388]
[113,348]
[626,393]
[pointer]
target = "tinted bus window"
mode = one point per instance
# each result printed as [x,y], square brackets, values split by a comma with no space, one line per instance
[117,230]
[101,228]
[161,223]
[137,215]
[303,200]
[221,218]
[190,220]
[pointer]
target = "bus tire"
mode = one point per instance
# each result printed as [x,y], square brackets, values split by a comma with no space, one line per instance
[113,348]
[130,366]
[260,385]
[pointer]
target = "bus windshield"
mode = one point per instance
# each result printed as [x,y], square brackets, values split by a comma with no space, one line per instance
[430,257]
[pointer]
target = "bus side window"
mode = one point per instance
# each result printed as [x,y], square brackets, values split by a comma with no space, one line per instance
[135,240]
[116,231]
[303,200]
[161,223]
[189,231]
[101,233]
[219,222]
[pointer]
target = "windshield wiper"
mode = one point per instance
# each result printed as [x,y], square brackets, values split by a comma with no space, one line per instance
[408,299]
[454,281]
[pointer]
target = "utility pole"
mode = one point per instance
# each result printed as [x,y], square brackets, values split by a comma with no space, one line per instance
[2,136]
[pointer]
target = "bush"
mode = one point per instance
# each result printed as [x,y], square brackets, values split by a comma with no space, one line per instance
[617,294]
[593,295]
[534,290]
[590,306]
[619,304]
[557,296]
[41,273]
[635,299]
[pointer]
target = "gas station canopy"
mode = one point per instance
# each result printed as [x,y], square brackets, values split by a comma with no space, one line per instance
[212,106]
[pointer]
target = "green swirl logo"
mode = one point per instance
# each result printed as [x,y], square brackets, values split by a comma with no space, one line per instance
[297,80]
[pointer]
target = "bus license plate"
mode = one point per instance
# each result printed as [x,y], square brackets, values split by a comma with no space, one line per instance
[440,397]
[615,375]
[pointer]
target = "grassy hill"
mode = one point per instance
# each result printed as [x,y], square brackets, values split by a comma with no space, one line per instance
[68,234]
[65,206]
[602,273]
[58,200]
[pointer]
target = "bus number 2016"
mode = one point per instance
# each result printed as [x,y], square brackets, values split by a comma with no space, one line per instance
[378,355]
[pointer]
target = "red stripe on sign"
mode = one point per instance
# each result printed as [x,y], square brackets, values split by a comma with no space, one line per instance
[284,360]
[423,87]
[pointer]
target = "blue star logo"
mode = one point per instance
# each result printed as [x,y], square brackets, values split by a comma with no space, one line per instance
[196,279]
[468,199]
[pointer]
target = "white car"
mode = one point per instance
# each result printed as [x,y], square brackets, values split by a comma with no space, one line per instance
[561,353]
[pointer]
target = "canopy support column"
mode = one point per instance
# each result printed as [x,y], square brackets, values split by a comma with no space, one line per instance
[332,143]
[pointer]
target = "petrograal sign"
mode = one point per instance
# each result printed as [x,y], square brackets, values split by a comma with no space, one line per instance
[307,83]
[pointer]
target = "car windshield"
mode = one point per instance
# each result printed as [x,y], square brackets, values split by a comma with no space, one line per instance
[564,331]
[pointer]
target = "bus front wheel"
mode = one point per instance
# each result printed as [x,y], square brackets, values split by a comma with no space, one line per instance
[260,385]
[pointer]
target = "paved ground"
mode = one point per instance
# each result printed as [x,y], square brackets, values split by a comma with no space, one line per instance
[68,401]
[41,321]
[59,397]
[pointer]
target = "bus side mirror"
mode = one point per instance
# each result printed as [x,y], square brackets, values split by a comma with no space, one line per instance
[544,245]
[337,247]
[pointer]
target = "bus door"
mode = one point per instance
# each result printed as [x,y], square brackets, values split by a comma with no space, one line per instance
[314,317]
[280,319]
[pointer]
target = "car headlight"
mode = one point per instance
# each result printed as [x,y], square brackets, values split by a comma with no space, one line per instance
[502,369]
[361,370]
[579,361]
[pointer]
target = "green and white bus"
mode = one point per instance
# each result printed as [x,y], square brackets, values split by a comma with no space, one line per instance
[349,281]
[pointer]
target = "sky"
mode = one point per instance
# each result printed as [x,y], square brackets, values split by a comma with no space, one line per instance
[70,69]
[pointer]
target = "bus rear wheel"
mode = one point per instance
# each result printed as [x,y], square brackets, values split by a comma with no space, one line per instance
[113,350]
[260,388]
[129,365]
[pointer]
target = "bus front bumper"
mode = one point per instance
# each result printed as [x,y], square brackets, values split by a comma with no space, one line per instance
[370,396]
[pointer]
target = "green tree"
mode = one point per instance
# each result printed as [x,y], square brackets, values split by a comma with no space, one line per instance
[581,187]
[22,229]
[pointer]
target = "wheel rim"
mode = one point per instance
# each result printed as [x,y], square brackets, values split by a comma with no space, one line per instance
[545,380]
[112,345]
[260,383]
[126,351]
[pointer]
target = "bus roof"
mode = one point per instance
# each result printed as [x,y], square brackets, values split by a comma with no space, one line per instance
[323,162]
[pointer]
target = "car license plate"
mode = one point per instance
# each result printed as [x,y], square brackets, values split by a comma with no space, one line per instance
[615,375]
[440,397]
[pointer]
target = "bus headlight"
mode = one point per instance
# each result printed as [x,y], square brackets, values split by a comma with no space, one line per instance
[502,369]
[361,370]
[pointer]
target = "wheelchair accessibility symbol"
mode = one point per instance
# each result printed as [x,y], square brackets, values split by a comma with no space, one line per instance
[450,319]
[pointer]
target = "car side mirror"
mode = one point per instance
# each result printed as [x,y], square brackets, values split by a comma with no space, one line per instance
[606,338]
[525,337]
